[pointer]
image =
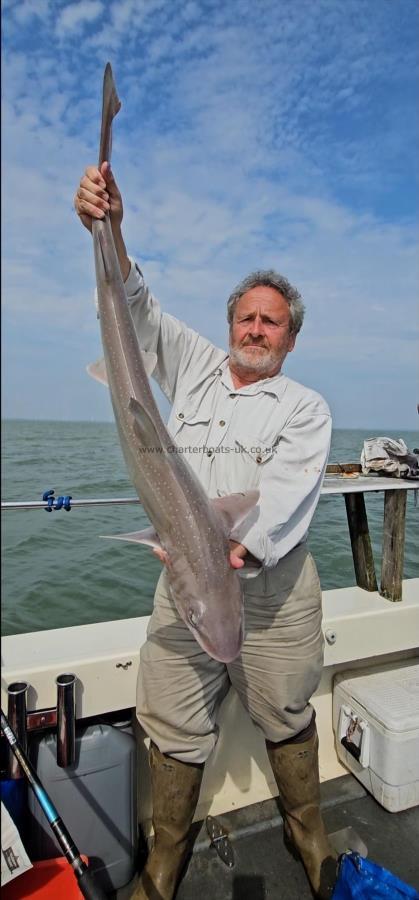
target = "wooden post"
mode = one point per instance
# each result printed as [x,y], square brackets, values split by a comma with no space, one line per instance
[393,544]
[360,541]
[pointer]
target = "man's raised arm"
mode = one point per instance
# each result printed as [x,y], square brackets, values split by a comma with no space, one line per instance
[97,194]
[174,344]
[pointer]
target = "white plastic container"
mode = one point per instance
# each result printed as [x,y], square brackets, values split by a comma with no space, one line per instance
[95,797]
[376,724]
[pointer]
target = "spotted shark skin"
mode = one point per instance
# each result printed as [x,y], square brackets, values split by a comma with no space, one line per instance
[192,529]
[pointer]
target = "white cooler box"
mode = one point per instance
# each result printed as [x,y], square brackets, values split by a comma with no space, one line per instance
[376,724]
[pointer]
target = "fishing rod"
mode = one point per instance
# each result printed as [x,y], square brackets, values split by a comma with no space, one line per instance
[40,504]
[88,886]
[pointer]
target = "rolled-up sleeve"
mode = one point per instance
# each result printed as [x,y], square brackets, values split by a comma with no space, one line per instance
[289,486]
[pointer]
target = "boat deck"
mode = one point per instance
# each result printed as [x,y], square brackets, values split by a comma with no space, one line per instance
[265,870]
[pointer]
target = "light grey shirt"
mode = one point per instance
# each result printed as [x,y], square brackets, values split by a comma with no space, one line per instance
[273,434]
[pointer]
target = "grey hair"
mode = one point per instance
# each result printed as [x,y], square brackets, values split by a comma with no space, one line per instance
[270,278]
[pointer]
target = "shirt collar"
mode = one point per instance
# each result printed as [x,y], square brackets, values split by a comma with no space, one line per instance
[275,385]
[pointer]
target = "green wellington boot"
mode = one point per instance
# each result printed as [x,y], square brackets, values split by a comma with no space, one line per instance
[296,769]
[175,789]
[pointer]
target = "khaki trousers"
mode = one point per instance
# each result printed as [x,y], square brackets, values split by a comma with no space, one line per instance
[180,688]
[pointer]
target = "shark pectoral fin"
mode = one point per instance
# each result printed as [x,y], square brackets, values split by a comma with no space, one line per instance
[149,361]
[98,371]
[148,536]
[233,508]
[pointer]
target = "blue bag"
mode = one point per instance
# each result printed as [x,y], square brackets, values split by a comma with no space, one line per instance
[361,879]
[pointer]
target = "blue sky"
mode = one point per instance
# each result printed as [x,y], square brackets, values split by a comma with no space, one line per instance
[275,133]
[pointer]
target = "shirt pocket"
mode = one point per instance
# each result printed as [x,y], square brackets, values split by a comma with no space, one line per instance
[189,421]
[253,455]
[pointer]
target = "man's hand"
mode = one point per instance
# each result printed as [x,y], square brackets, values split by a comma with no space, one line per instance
[98,194]
[237,554]
[162,555]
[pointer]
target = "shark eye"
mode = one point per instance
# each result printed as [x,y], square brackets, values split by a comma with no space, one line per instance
[192,618]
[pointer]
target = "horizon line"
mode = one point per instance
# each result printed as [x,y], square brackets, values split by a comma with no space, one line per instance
[112,422]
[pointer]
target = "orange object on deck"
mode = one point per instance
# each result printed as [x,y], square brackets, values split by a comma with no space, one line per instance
[49,879]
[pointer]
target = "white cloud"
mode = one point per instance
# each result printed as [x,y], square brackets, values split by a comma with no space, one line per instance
[29,9]
[75,15]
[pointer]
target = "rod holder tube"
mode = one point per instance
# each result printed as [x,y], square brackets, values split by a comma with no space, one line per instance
[16,714]
[66,720]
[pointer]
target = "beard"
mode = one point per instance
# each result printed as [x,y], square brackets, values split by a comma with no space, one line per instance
[257,359]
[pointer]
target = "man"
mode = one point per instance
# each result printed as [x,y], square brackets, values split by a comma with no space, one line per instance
[243,424]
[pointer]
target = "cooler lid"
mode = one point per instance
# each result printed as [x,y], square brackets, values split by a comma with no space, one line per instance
[392,697]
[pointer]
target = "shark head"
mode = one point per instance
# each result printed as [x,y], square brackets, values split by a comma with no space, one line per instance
[211,605]
[206,590]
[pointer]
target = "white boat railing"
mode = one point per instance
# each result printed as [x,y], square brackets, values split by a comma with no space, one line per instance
[352,484]
[41,504]
[332,484]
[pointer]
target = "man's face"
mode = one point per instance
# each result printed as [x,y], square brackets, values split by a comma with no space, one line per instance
[259,334]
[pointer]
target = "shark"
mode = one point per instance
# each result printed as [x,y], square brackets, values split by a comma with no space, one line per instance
[192,529]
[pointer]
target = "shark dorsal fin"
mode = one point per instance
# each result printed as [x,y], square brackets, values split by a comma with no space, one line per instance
[98,369]
[144,424]
[149,361]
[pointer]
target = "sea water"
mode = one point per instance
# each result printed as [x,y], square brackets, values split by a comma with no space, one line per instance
[58,571]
